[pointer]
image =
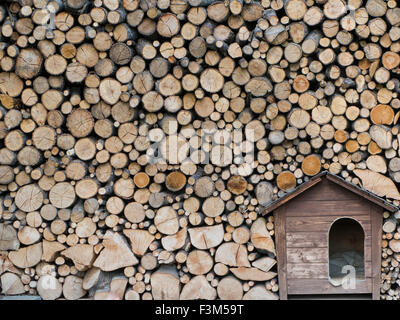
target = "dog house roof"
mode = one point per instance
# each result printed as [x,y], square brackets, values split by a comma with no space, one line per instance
[335,179]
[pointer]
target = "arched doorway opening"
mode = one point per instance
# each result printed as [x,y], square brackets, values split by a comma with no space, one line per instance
[346,251]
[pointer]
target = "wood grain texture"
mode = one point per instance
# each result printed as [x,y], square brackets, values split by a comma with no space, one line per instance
[280,221]
[376,220]
[323,223]
[320,286]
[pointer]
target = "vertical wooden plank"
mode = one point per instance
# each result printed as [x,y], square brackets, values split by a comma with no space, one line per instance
[280,238]
[376,224]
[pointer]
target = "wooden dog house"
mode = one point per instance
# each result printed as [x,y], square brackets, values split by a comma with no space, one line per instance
[323,226]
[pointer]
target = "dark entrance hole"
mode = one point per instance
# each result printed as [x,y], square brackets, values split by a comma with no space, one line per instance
[346,250]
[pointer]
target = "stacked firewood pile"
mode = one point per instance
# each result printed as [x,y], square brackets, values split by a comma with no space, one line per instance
[140,139]
[391,257]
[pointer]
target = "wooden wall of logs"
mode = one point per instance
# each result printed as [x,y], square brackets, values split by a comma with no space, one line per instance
[139,139]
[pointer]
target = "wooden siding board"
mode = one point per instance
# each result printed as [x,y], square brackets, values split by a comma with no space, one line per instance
[376,243]
[323,223]
[318,270]
[306,239]
[280,238]
[307,255]
[307,270]
[327,190]
[311,255]
[318,286]
[327,208]
[311,239]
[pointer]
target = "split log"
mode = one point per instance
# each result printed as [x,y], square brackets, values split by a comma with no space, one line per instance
[232,254]
[381,135]
[165,285]
[26,257]
[198,288]
[378,183]
[50,250]
[252,274]
[260,236]
[91,278]
[72,288]
[264,264]
[6,264]
[8,238]
[376,163]
[11,284]
[116,253]
[116,292]
[258,292]
[206,237]
[174,242]
[81,254]
[140,240]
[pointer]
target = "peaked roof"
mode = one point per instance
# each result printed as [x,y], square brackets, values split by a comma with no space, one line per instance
[335,179]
